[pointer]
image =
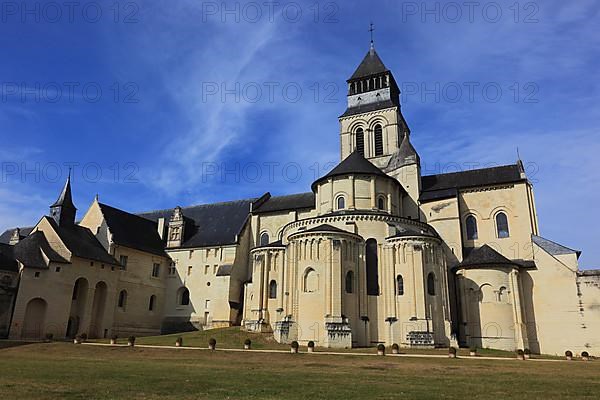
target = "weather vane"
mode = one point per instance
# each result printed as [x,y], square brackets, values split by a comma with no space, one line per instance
[371,29]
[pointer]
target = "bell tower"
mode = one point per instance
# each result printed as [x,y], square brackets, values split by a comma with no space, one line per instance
[63,210]
[372,124]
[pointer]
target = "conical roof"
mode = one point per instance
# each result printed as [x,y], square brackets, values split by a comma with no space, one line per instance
[65,199]
[354,164]
[370,65]
[485,256]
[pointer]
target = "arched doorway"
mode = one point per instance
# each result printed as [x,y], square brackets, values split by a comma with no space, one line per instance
[35,319]
[98,306]
[78,302]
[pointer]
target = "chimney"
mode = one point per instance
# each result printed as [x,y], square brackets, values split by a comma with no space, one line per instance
[16,237]
[161,227]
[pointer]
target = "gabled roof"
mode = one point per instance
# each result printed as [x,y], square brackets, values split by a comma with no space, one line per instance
[354,164]
[370,65]
[287,203]
[65,198]
[31,250]
[133,231]
[8,262]
[82,243]
[7,234]
[553,248]
[210,224]
[467,179]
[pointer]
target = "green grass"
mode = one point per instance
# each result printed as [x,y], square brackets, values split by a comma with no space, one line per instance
[67,371]
[234,337]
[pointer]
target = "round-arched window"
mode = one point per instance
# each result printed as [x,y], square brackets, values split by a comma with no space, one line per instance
[341,203]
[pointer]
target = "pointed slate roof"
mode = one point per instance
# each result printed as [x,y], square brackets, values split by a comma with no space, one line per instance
[485,256]
[553,248]
[370,65]
[354,164]
[65,199]
[406,155]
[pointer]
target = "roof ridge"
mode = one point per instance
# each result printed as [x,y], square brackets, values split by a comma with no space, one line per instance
[474,169]
[197,205]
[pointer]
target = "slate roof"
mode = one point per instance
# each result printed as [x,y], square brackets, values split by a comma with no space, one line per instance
[433,185]
[484,256]
[380,105]
[370,65]
[82,243]
[65,198]
[133,231]
[404,231]
[225,270]
[6,235]
[287,203]
[406,155]
[553,248]
[8,261]
[211,224]
[31,250]
[277,243]
[324,228]
[354,164]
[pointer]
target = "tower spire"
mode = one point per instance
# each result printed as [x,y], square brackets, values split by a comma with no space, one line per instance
[63,210]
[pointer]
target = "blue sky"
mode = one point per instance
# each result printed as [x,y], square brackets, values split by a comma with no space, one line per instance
[142,99]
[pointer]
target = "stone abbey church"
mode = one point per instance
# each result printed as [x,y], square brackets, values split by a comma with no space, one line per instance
[373,253]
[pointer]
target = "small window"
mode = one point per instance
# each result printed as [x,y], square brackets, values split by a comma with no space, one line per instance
[311,281]
[37,274]
[156,270]
[151,303]
[350,282]
[57,269]
[399,285]
[360,141]
[471,223]
[502,226]
[381,203]
[122,303]
[206,304]
[378,140]
[183,297]
[431,284]
[273,290]
[189,271]
[341,203]
[123,262]
[264,239]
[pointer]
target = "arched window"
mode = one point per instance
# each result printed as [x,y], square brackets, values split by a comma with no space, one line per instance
[311,282]
[502,295]
[378,140]
[183,296]
[151,303]
[341,203]
[350,282]
[273,290]
[360,141]
[431,284]
[264,239]
[471,223]
[502,225]
[372,268]
[122,303]
[399,285]
[381,203]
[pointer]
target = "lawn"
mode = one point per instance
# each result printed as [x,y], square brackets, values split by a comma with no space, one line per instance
[68,371]
[233,338]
